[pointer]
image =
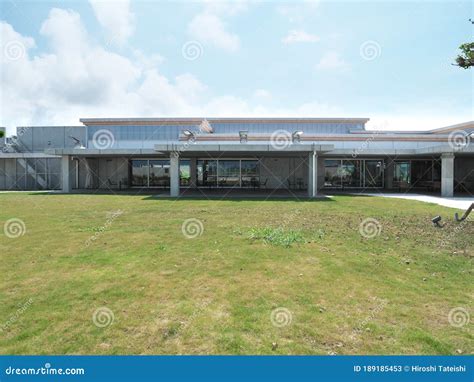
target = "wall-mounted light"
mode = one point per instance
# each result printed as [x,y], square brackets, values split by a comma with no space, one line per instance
[296,136]
[190,135]
[78,143]
[243,134]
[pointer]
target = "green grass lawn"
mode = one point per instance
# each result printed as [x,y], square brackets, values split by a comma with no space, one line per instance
[264,277]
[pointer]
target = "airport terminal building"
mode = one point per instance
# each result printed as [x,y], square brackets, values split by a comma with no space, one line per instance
[297,156]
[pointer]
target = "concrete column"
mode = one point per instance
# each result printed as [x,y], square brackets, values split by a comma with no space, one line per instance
[447,175]
[174,174]
[66,173]
[312,175]
[193,172]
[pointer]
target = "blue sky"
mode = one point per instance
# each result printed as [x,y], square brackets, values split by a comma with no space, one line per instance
[389,61]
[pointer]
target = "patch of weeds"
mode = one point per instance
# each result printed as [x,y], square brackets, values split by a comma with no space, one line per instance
[171,331]
[276,236]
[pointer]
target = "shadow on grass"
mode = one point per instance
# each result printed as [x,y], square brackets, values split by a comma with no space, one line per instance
[155,195]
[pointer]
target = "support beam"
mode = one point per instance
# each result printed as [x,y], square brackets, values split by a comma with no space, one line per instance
[66,173]
[447,175]
[174,174]
[312,175]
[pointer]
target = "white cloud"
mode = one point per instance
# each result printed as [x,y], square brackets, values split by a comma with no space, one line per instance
[262,94]
[299,10]
[332,60]
[298,35]
[78,78]
[208,28]
[116,18]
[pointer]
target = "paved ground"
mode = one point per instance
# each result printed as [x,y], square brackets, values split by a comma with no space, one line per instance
[462,203]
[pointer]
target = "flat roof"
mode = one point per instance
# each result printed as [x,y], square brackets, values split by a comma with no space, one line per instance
[197,120]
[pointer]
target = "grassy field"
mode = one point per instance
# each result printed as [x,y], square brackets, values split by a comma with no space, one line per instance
[106,274]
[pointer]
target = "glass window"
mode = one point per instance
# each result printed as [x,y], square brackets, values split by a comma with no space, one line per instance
[250,173]
[229,173]
[350,172]
[401,173]
[207,173]
[159,173]
[421,171]
[140,173]
[184,173]
[374,173]
[332,173]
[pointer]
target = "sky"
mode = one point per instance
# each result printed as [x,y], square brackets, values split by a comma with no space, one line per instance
[388,61]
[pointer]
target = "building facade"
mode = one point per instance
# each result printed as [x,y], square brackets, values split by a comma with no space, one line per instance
[300,155]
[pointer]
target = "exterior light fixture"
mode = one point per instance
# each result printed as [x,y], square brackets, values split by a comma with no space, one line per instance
[189,134]
[78,143]
[243,134]
[296,136]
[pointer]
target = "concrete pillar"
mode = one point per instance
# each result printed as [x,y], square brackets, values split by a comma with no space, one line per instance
[66,173]
[312,174]
[447,175]
[174,174]
[193,172]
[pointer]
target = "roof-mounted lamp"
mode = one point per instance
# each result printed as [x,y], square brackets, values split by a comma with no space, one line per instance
[189,135]
[296,136]
[78,143]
